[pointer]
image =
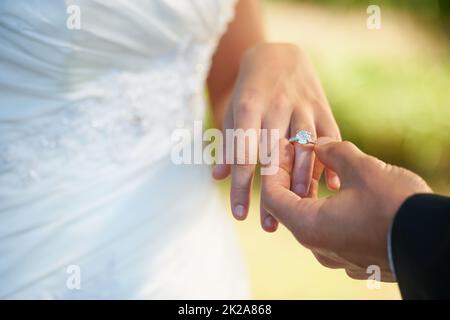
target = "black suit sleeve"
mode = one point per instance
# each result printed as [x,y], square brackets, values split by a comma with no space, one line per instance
[420,247]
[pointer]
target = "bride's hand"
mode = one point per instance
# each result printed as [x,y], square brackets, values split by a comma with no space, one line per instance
[277,88]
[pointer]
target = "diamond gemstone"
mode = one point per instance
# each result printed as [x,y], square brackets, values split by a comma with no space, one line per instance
[303,137]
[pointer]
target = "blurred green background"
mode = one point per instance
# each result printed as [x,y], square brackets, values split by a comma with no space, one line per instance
[389,90]
[394,102]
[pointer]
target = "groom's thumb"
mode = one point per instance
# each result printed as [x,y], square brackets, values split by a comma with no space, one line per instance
[340,156]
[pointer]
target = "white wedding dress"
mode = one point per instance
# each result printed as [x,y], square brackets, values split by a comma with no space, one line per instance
[86,178]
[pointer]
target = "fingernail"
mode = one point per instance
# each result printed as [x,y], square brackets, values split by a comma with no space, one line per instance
[324,140]
[300,189]
[335,182]
[269,222]
[239,212]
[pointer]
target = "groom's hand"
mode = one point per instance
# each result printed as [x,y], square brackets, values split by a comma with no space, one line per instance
[349,229]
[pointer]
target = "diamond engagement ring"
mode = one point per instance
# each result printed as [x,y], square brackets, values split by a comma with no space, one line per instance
[303,137]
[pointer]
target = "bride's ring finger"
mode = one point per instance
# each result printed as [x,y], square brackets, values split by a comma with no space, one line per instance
[304,156]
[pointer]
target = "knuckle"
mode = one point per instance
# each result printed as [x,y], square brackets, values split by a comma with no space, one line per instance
[370,166]
[355,274]
[323,262]
[350,273]
[380,165]
[326,262]
[303,238]
[361,167]
[318,103]
[280,103]
[347,145]
[246,106]
[335,149]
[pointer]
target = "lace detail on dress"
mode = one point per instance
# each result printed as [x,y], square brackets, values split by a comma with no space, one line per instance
[129,119]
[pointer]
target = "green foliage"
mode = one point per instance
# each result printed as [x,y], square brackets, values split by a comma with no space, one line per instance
[432,10]
[399,112]
[428,5]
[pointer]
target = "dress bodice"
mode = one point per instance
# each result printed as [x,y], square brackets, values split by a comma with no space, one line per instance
[86,179]
[86,100]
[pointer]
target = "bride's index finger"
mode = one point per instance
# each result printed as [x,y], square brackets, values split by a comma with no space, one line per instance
[247,125]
